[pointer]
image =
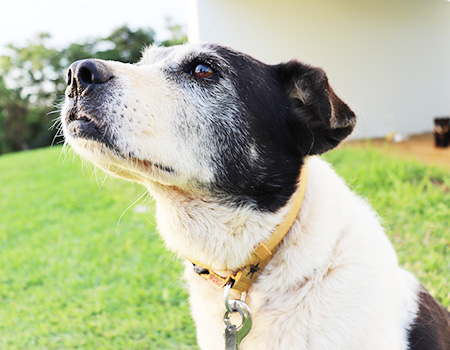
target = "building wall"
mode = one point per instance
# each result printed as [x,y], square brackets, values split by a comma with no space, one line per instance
[388,59]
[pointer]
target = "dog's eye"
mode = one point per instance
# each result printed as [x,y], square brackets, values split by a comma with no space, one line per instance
[202,70]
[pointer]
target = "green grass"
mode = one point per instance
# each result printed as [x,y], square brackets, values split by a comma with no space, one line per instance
[72,277]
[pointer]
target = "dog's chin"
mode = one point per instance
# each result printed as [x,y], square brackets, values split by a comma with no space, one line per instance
[93,142]
[87,140]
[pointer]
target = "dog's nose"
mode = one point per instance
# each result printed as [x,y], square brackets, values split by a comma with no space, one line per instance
[83,75]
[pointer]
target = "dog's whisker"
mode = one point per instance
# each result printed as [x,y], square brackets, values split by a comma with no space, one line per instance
[146,194]
[65,150]
[58,134]
[105,177]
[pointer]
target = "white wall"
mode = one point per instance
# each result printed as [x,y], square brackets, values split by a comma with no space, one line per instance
[388,59]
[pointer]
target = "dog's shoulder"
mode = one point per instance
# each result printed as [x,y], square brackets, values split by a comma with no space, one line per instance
[431,329]
[327,188]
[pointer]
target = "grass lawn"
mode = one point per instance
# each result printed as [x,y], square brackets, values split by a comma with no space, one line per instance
[72,277]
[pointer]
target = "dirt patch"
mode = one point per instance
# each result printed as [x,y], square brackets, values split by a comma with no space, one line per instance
[419,147]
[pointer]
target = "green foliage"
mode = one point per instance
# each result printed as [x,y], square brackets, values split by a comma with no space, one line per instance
[21,125]
[73,277]
[123,45]
[178,37]
[126,45]
[33,71]
[32,80]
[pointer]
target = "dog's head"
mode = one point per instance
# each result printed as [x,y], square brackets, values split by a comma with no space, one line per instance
[204,118]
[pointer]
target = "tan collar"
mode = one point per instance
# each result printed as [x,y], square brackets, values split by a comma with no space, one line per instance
[242,279]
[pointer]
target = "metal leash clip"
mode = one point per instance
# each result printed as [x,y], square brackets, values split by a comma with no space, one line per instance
[235,334]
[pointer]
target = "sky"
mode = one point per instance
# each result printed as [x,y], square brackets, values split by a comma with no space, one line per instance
[76,21]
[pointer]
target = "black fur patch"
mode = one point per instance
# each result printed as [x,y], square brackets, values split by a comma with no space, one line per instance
[431,329]
[320,120]
[268,181]
[283,129]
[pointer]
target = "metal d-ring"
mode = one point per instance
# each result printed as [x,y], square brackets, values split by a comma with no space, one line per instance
[226,295]
[246,325]
[242,308]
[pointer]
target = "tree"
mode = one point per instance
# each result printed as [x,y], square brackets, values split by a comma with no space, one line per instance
[125,44]
[178,36]
[27,94]
[32,70]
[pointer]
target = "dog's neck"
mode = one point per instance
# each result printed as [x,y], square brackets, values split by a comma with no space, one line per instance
[203,230]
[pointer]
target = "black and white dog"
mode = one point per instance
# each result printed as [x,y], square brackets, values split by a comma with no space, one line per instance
[219,139]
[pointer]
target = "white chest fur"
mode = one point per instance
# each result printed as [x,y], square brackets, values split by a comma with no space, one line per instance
[334,283]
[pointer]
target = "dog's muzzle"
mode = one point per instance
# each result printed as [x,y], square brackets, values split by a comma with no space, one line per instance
[86,75]
[88,82]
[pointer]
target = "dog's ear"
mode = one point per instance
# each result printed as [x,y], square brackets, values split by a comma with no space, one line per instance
[319,119]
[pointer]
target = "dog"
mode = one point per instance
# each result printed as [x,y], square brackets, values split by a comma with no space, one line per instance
[220,140]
